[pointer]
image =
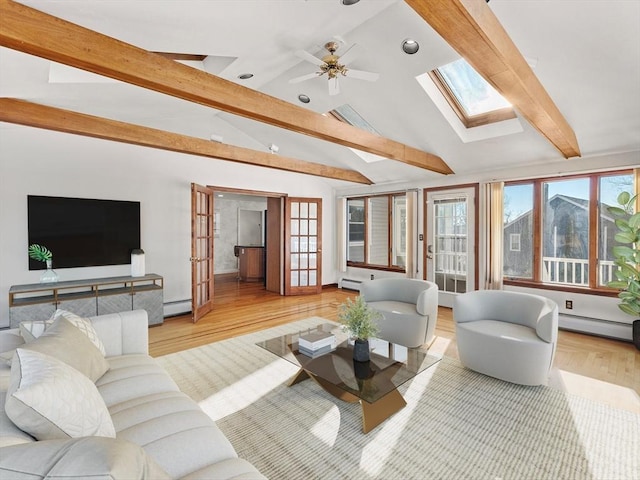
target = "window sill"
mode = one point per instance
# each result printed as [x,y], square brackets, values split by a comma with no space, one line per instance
[601,291]
[377,267]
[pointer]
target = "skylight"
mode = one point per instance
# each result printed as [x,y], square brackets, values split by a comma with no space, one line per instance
[347,114]
[472,98]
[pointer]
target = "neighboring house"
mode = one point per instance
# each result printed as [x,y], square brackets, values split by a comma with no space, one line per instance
[565,236]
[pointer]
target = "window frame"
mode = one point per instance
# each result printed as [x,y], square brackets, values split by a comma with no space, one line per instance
[390,233]
[469,121]
[594,201]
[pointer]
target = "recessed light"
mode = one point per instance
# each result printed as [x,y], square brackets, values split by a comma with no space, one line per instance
[304,98]
[410,46]
[349,2]
[245,76]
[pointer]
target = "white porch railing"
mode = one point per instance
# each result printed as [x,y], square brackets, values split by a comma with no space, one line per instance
[574,271]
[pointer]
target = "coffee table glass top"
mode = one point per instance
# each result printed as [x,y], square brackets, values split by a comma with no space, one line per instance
[390,365]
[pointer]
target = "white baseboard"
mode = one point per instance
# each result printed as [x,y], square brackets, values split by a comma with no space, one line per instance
[603,328]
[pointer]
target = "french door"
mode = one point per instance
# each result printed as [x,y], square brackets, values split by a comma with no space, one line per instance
[450,253]
[303,246]
[201,251]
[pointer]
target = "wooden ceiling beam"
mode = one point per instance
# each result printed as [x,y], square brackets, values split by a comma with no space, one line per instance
[471,28]
[41,116]
[34,32]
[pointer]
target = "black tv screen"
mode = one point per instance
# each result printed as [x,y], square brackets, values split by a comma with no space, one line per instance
[83,232]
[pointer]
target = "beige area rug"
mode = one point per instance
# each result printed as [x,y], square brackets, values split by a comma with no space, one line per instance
[457,424]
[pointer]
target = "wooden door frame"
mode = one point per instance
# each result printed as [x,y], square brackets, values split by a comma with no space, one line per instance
[476,234]
[274,281]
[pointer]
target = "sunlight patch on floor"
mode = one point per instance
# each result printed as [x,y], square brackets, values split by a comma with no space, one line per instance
[376,453]
[326,429]
[246,391]
[614,395]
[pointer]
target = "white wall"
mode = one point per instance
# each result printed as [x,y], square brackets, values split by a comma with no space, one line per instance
[41,162]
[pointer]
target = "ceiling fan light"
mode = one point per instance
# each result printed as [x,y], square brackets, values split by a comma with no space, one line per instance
[410,46]
[349,2]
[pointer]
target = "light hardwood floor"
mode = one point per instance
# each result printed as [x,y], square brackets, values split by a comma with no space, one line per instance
[603,369]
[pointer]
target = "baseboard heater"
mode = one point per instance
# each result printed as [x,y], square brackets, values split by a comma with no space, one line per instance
[350,284]
[594,326]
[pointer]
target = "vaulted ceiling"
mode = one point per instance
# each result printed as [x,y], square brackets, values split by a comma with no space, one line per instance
[584,54]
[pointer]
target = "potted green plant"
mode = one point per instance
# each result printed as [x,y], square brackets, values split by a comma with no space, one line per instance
[627,259]
[43,254]
[360,321]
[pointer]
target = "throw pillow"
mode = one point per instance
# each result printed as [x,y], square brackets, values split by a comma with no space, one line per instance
[48,399]
[66,343]
[32,329]
[83,324]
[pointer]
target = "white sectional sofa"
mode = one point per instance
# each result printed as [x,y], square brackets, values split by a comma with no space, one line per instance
[150,428]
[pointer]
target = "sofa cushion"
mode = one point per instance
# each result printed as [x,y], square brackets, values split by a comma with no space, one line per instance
[133,376]
[49,399]
[67,343]
[174,430]
[82,458]
[83,324]
[32,329]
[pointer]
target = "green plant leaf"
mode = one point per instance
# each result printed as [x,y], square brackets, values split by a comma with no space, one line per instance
[622,225]
[629,309]
[617,211]
[40,253]
[624,252]
[634,221]
[626,237]
[619,284]
[624,198]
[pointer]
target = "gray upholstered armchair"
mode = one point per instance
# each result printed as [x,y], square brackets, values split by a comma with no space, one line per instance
[409,308]
[507,335]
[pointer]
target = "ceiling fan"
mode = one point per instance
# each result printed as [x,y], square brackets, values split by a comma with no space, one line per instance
[333,66]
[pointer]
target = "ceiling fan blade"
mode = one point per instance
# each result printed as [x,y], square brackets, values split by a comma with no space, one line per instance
[304,55]
[334,88]
[362,75]
[350,54]
[302,78]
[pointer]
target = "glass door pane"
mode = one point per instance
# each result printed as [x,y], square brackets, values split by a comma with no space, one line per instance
[450,225]
[304,246]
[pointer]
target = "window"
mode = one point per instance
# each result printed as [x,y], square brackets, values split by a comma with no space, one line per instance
[570,226]
[514,242]
[518,222]
[471,97]
[377,231]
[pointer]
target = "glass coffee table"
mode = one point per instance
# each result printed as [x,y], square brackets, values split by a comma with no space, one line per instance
[373,384]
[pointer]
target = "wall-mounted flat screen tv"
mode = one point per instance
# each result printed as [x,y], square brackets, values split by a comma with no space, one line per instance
[83,232]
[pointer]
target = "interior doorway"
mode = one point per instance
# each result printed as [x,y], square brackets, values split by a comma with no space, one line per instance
[248,246]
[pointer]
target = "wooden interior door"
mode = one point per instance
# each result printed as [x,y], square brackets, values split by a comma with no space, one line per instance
[303,246]
[201,251]
[273,245]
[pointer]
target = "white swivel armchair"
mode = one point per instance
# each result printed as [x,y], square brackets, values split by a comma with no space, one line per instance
[507,335]
[409,308]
